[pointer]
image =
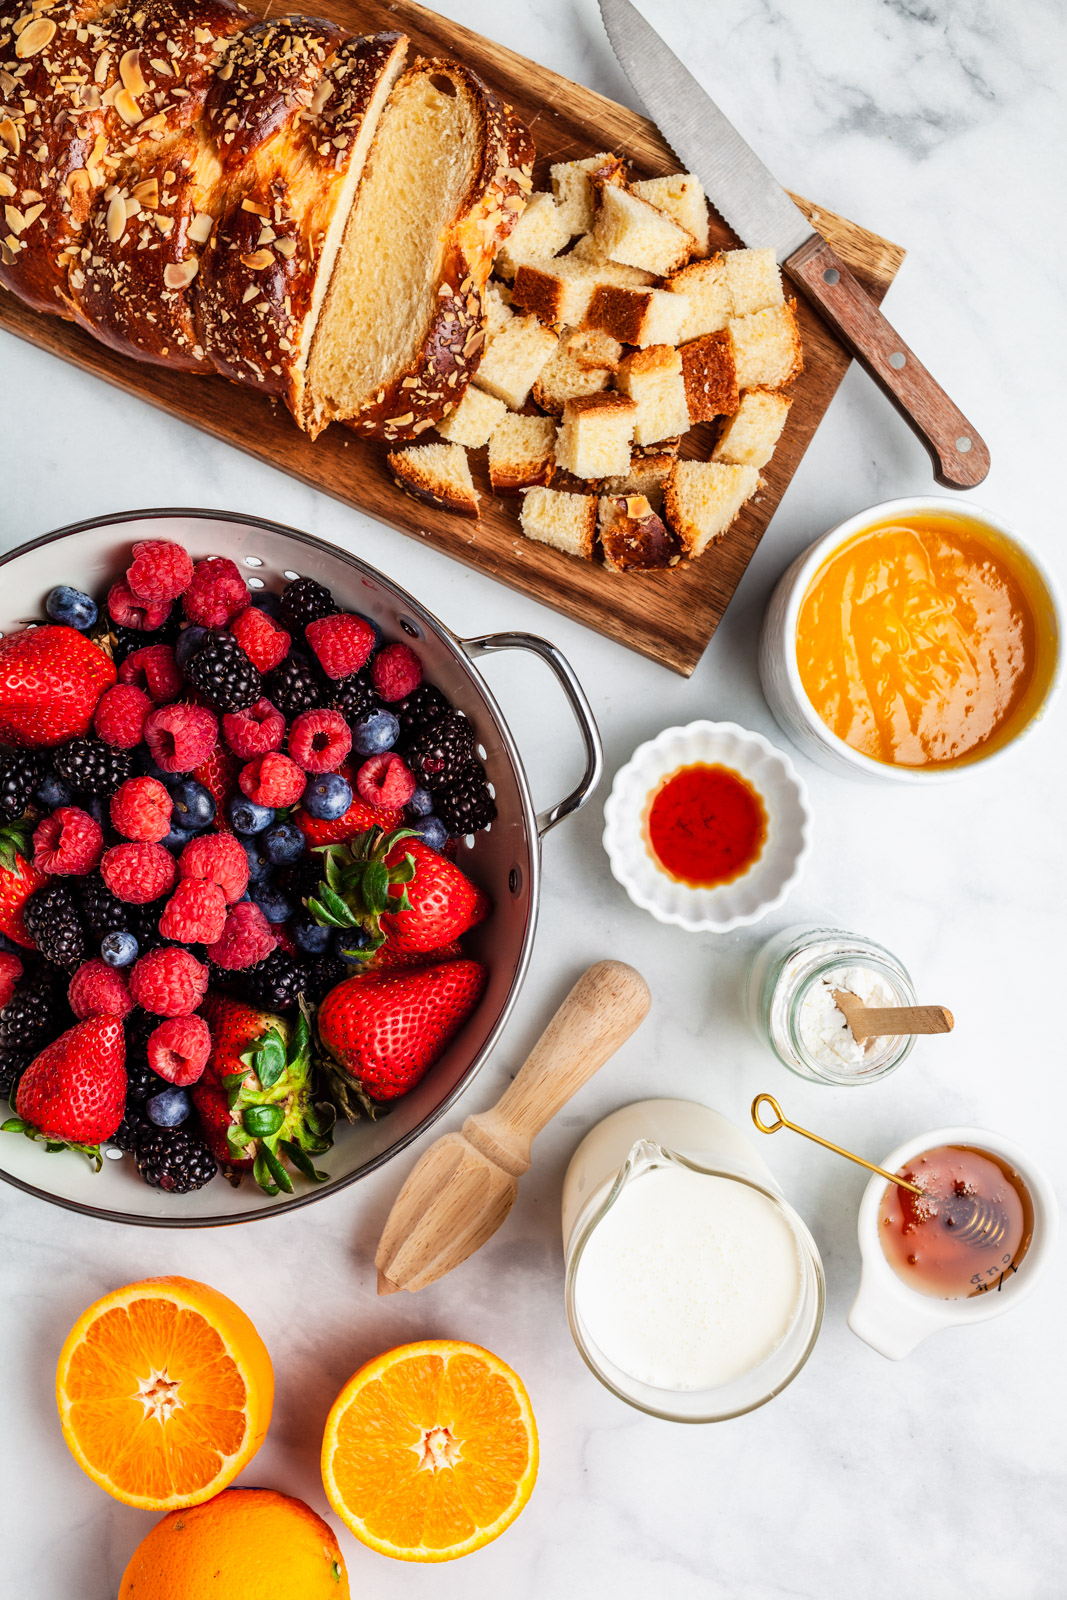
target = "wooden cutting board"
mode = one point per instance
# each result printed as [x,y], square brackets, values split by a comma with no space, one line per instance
[668,617]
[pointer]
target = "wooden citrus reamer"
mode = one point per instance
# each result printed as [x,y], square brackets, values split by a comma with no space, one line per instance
[460,1191]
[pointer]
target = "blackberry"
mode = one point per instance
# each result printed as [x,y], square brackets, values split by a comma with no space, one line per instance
[37,1011]
[20,773]
[133,1126]
[103,911]
[124,641]
[295,686]
[173,1159]
[422,706]
[144,925]
[276,982]
[224,675]
[354,697]
[439,751]
[141,1082]
[302,878]
[92,766]
[13,1064]
[463,801]
[53,923]
[304,601]
[323,973]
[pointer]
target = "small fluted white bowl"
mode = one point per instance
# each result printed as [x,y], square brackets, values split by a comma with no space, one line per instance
[771,876]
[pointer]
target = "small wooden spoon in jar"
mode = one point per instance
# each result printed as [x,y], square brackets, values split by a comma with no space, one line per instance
[887,1022]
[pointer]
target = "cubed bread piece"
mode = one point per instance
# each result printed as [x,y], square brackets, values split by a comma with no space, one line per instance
[636,316]
[751,434]
[702,498]
[767,350]
[566,521]
[653,378]
[521,453]
[710,377]
[703,283]
[437,473]
[595,439]
[583,364]
[594,350]
[753,280]
[573,189]
[589,248]
[497,307]
[473,420]
[633,537]
[638,234]
[539,233]
[513,360]
[649,471]
[560,290]
[681,196]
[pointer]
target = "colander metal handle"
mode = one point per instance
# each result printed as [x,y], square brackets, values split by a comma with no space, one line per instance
[583,715]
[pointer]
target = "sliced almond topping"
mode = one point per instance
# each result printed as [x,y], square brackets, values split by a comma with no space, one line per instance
[154,126]
[225,72]
[158,64]
[323,91]
[164,224]
[10,135]
[7,83]
[266,236]
[96,156]
[14,219]
[180,274]
[147,192]
[131,74]
[89,96]
[103,66]
[127,108]
[256,209]
[6,186]
[200,228]
[250,293]
[286,248]
[33,213]
[34,37]
[256,262]
[401,422]
[116,219]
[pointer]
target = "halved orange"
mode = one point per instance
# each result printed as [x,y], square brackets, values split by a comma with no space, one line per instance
[430,1451]
[165,1392]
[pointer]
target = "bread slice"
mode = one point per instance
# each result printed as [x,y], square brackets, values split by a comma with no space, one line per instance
[649,471]
[703,283]
[439,474]
[767,349]
[521,453]
[538,234]
[565,521]
[402,325]
[653,378]
[514,359]
[636,316]
[573,189]
[560,290]
[681,196]
[473,420]
[702,498]
[633,536]
[710,377]
[582,364]
[636,233]
[753,431]
[594,441]
[753,280]
[497,307]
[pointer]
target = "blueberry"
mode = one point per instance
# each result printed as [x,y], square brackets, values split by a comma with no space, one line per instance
[283,844]
[98,808]
[246,817]
[420,804]
[351,942]
[309,937]
[375,734]
[265,600]
[119,949]
[146,766]
[169,1108]
[177,839]
[189,641]
[53,792]
[327,797]
[194,807]
[275,906]
[70,606]
[432,831]
[258,865]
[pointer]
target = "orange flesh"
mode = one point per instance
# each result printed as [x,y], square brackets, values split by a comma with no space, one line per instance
[917,642]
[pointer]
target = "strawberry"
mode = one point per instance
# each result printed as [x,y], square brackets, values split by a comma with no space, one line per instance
[18,880]
[218,774]
[385,1031]
[390,959]
[254,1098]
[443,902]
[73,1094]
[50,681]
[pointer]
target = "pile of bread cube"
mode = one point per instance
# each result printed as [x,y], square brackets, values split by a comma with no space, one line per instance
[612,330]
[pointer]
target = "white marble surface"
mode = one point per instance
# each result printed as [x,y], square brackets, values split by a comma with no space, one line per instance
[937,123]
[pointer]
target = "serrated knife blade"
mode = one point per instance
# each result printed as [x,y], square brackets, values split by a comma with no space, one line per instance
[761,213]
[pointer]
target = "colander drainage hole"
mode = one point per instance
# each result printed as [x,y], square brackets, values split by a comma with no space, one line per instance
[255,583]
[514,880]
[292,576]
[253,561]
[410,628]
[481,753]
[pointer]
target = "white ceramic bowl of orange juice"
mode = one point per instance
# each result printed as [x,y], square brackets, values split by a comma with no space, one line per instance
[898,623]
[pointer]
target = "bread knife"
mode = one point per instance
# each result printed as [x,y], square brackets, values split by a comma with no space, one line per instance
[761,213]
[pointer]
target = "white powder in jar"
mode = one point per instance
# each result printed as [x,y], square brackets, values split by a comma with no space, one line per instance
[824,1030]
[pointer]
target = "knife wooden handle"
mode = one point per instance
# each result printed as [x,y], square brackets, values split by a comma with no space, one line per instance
[960,456]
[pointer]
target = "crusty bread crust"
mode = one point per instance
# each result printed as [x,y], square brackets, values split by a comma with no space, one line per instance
[412,475]
[633,537]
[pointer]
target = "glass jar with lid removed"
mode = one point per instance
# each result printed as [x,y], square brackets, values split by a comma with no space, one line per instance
[705,825]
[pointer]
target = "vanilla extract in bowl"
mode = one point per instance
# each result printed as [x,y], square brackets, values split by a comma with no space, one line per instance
[968,1230]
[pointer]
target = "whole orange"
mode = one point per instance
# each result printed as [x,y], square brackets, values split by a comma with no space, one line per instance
[245,1544]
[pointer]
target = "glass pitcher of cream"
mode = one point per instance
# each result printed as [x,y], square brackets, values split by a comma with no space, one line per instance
[694,1290]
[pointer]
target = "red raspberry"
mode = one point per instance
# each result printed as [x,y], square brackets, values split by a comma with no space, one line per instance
[342,643]
[10,973]
[129,612]
[120,715]
[169,982]
[138,873]
[272,780]
[154,668]
[69,841]
[245,940]
[179,1049]
[216,858]
[218,774]
[140,809]
[195,913]
[181,737]
[97,990]
[254,732]
[263,642]
[320,740]
[216,594]
[161,570]
[397,671]
[385,782]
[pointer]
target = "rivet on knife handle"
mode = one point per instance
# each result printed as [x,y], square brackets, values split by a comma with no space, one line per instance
[960,455]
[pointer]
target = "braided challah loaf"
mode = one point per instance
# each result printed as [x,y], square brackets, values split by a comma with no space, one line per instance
[185,182]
